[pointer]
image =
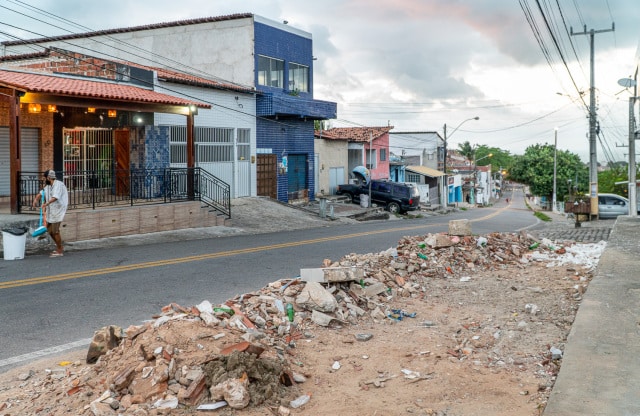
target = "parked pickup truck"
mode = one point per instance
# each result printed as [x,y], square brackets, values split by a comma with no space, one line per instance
[396,197]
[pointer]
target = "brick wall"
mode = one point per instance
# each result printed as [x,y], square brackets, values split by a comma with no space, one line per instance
[42,121]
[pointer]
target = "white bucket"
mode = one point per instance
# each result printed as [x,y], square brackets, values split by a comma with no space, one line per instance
[13,245]
[364,200]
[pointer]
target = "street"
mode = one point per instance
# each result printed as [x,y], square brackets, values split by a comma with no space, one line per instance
[50,305]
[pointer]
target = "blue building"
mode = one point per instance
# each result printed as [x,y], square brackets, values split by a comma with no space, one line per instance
[286,111]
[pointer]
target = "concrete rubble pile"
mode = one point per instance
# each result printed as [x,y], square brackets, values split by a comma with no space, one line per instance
[239,353]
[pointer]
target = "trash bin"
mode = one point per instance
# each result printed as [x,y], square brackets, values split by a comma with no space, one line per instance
[364,201]
[13,242]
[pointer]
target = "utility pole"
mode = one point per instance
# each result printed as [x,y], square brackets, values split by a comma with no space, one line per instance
[633,201]
[445,189]
[555,165]
[593,159]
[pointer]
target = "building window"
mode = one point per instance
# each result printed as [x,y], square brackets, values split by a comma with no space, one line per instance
[383,155]
[298,77]
[270,72]
[371,156]
[413,177]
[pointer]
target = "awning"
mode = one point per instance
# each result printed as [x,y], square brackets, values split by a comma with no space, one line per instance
[62,90]
[423,170]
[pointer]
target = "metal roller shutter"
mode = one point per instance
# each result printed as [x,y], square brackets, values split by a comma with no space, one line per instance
[29,155]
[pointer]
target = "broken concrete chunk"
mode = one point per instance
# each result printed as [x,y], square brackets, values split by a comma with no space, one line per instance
[104,339]
[234,391]
[375,289]
[460,227]
[321,319]
[315,297]
[332,274]
[438,241]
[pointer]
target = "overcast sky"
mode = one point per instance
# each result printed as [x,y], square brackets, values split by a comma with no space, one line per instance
[420,64]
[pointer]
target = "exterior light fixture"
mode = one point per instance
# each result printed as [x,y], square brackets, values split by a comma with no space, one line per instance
[52,108]
[91,109]
[34,108]
[111,113]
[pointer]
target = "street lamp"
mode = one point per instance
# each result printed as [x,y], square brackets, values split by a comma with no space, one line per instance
[555,164]
[444,197]
[632,186]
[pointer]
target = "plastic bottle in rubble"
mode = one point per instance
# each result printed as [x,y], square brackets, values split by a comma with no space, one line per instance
[300,401]
[290,312]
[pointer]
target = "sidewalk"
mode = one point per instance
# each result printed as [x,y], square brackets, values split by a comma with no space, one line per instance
[600,372]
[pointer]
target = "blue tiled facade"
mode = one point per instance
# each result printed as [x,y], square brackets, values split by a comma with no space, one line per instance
[285,123]
[153,157]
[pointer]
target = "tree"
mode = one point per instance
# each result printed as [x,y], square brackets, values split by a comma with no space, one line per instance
[607,180]
[535,168]
[499,159]
[466,150]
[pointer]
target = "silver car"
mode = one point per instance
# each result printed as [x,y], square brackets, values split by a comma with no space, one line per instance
[612,205]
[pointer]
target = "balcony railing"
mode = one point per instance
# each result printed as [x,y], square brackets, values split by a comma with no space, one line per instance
[106,188]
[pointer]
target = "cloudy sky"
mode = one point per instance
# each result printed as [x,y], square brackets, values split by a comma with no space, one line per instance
[420,64]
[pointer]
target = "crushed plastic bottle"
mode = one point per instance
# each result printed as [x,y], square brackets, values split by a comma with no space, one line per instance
[422,256]
[534,246]
[300,401]
[422,245]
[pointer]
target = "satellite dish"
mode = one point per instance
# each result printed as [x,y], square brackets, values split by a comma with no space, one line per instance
[626,82]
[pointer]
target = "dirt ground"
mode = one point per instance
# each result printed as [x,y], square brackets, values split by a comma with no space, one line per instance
[473,325]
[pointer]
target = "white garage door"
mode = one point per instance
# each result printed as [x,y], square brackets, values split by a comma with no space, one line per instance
[28,153]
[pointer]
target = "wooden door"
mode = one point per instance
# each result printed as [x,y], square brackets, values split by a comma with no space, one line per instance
[122,162]
[267,175]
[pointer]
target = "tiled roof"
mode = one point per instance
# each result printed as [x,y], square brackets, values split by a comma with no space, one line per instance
[131,29]
[183,78]
[74,87]
[163,74]
[353,134]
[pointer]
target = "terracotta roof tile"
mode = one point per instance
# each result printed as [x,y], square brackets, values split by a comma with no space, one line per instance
[353,134]
[188,79]
[74,87]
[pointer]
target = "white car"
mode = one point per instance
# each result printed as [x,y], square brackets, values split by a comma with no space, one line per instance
[612,205]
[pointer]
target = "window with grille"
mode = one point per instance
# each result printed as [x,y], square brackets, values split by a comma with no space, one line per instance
[412,177]
[87,149]
[244,144]
[213,144]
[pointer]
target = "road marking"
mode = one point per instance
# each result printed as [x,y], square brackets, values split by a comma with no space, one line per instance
[201,257]
[45,352]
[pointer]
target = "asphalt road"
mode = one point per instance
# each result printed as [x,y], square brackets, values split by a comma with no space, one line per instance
[51,305]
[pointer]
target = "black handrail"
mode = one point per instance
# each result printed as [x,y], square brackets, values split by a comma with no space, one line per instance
[102,188]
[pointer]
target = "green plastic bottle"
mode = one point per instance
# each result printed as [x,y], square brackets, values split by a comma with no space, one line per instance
[290,312]
[534,246]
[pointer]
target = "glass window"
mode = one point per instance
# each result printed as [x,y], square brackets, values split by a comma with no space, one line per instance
[270,72]
[383,155]
[371,156]
[298,77]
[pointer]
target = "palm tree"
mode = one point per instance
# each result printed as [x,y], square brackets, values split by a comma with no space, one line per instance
[467,150]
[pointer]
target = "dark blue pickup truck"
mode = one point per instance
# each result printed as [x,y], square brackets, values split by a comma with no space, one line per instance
[396,197]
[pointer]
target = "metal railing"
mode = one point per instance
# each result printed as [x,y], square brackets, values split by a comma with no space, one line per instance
[104,188]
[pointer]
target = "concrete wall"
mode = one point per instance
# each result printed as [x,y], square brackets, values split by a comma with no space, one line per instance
[221,49]
[333,154]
